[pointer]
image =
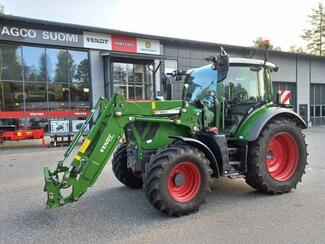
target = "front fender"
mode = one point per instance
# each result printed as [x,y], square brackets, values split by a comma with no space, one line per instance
[252,126]
[204,148]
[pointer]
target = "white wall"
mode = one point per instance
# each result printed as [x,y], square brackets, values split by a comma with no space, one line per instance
[317,71]
[303,82]
[97,75]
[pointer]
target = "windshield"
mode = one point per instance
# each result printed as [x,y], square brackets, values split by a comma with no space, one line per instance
[202,85]
[244,84]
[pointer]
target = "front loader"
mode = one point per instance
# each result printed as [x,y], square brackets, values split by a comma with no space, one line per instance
[228,124]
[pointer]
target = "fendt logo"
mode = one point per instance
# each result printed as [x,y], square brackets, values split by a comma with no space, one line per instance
[109,138]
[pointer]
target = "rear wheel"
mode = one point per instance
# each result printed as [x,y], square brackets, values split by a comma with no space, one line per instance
[277,159]
[122,172]
[176,180]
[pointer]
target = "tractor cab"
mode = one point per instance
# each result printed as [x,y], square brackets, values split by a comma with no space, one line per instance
[226,102]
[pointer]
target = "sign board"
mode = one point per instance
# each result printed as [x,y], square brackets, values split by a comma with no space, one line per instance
[101,41]
[124,44]
[43,114]
[59,126]
[77,124]
[97,41]
[30,35]
[148,46]
[285,96]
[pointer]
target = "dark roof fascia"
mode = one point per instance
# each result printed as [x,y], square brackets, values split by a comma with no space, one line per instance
[165,40]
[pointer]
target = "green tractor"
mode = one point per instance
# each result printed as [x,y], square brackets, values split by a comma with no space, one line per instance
[228,124]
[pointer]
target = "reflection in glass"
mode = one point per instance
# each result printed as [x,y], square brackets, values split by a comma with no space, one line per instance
[35,63]
[202,86]
[244,84]
[18,123]
[58,96]
[35,96]
[10,63]
[68,66]
[81,65]
[317,111]
[134,79]
[67,74]
[60,65]
[36,123]
[79,95]
[11,96]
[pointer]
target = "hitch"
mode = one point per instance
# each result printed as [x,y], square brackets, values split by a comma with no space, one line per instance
[54,198]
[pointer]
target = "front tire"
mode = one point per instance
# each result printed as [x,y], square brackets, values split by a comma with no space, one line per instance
[277,159]
[122,172]
[176,180]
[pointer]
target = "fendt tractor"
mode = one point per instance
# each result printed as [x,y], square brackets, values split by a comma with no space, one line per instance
[227,124]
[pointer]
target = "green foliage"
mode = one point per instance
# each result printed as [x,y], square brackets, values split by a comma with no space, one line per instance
[82,71]
[2,9]
[315,35]
[296,49]
[259,43]
[65,67]
[44,66]
[10,63]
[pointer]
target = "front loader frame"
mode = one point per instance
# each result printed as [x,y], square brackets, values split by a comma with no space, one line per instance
[111,120]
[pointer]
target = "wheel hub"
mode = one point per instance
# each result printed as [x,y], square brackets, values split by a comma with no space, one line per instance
[282,156]
[184,182]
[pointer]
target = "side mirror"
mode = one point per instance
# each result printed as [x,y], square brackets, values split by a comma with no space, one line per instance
[221,64]
[177,74]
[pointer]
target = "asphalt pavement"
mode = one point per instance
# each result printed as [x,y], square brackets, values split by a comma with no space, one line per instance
[110,212]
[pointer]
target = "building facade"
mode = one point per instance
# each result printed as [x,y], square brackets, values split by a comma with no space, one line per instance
[55,71]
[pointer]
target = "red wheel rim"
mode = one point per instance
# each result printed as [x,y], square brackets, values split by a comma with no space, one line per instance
[184,182]
[282,156]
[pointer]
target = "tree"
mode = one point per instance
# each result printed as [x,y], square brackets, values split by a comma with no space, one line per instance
[82,71]
[259,43]
[315,35]
[65,67]
[2,9]
[296,49]
[44,65]
[10,63]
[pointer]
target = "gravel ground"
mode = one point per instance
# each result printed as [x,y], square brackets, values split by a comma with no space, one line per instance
[110,212]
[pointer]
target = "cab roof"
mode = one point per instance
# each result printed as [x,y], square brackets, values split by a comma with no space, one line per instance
[239,61]
[250,61]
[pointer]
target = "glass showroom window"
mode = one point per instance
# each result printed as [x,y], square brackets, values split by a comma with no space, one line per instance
[35,64]
[10,63]
[36,97]
[58,96]
[135,80]
[11,96]
[58,65]
[317,107]
[38,79]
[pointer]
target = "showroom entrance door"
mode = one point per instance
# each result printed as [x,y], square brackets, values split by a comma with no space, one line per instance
[135,79]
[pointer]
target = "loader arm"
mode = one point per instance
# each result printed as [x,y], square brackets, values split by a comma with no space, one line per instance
[101,142]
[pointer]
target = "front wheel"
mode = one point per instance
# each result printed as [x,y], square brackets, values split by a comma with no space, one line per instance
[277,159]
[176,180]
[121,170]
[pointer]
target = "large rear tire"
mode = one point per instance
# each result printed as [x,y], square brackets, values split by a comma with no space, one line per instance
[122,172]
[176,180]
[277,159]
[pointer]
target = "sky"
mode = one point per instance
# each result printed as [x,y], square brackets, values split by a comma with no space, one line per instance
[236,22]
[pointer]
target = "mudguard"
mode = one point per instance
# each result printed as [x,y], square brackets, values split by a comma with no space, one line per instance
[204,148]
[272,113]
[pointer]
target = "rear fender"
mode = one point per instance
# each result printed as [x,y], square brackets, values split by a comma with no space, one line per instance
[252,127]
